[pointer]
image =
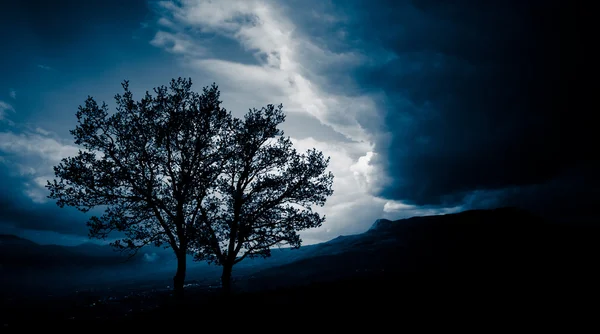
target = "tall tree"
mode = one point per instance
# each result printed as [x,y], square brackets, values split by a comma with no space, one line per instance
[264,194]
[150,165]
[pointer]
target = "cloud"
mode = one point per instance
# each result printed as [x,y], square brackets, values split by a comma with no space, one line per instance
[177,44]
[45,67]
[343,156]
[40,145]
[370,176]
[32,154]
[21,211]
[424,107]
[476,98]
[399,210]
[286,68]
[150,257]
[27,156]
[352,209]
[571,196]
[286,60]
[13,94]
[4,108]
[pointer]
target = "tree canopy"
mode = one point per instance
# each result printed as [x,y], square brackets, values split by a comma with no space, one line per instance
[149,165]
[175,169]
[264,194]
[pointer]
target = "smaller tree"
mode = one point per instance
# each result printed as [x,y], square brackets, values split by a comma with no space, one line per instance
[150,165]
[264,194]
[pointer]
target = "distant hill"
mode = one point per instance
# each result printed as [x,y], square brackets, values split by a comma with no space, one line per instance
[16,252]
[499,243]
[30,268]
[7,240]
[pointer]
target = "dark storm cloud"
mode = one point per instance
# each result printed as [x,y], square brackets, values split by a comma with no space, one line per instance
[19,212]
[481,96]
[56,25]
[53,43]
[57,52]
[571,196]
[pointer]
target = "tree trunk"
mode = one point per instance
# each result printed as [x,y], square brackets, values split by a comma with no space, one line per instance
[226,279]
[179,278]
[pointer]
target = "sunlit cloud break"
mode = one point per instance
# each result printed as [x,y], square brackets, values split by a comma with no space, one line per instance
[283,71]
[4,109]
[287,71]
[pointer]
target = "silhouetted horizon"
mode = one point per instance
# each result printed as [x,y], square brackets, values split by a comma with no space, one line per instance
[409,148]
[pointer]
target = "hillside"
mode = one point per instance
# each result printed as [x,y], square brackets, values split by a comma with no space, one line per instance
[490,257]
[16,253]
[502,243]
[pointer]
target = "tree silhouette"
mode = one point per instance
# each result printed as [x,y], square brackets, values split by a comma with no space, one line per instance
[264,194]
[150,165]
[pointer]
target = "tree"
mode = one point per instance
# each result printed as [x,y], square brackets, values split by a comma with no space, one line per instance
[150,165]
[264,194]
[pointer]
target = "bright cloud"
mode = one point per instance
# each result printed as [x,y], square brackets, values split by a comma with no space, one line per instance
[350,209]
[43,146]
[45,67]
[287,70]
[399,210]
[287,59]
[4,108]
[177,44]
[33,153]
[370,176]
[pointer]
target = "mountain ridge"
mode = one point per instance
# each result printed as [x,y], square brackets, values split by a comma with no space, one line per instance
[472,242]
[492,243]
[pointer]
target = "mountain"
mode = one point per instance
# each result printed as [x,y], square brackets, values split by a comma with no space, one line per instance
[13,240]
[496,244]
[501,244]
[17,253]
[30,268]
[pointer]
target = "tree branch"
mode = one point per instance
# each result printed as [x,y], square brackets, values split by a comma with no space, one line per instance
[250,251]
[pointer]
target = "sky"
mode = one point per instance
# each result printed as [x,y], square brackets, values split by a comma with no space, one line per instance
[425,106]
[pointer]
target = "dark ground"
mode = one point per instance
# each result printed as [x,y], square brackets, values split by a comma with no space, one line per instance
[498,263]
[369,301]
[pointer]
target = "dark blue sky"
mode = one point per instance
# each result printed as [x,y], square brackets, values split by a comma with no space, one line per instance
[424,106]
